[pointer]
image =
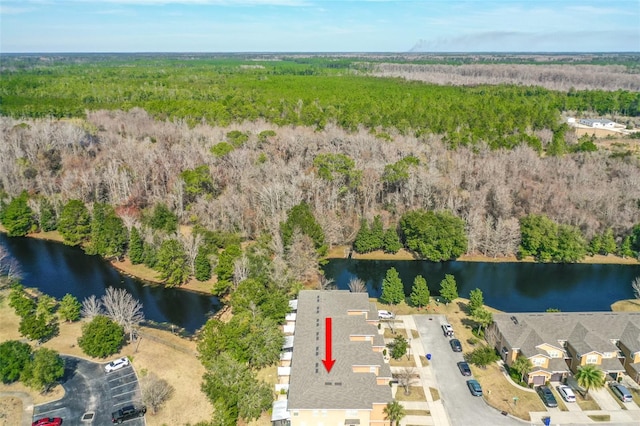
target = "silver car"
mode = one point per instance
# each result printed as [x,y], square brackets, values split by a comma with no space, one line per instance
[566,393]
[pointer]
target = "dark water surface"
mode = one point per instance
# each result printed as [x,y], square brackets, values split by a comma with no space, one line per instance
[57,269]
[512,287]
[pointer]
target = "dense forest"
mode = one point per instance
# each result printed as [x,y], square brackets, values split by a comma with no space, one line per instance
[232,145]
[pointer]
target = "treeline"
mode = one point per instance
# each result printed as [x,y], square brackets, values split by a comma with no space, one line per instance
[221,92]
[232,184]
[562,77]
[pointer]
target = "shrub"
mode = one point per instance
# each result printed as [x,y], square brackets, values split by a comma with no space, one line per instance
[482,356]
[101,337]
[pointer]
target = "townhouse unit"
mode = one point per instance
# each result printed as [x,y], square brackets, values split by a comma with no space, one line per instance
[357,389]
[558,343]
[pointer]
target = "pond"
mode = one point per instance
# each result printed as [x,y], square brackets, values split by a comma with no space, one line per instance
[512,287]
[57,269]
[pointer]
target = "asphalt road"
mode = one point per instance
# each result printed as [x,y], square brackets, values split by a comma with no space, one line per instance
[88,389]
[462,408]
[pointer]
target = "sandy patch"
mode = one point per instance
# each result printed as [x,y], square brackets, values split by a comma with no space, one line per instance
[10,411]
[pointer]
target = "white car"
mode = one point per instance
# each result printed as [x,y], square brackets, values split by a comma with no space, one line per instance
[447,330]
[116,364]
[566,393]
[385,315]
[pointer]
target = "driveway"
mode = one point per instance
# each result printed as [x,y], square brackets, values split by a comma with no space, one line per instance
[463,408]
[89,390]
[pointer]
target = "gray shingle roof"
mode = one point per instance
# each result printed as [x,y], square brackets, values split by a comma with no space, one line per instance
[631,337]
[585,331]
[310,386]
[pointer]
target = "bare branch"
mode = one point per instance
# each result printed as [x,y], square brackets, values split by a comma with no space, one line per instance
[356,285]
[155,391]
[91,307]
[123,309]
[406,378]
[635,284]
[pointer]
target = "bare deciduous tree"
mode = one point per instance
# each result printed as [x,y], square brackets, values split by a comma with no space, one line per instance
[123,309]
[406,378]
[635,284]
[9,268]
[356,285]
[240,269]
[155,391]
[91,307]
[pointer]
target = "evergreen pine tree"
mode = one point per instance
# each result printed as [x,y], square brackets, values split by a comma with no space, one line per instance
[17,216]
[449,288]
[136,247]
[608,242]
[202,265]
[419,292]
[391,241]
[48,216]
[377,234]
[476,300]
[74,223]
[300,217]
[392,288]
[362,242]
[625,248]
[595,245]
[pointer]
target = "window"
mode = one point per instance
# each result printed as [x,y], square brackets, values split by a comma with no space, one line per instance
[537,362]
[352,413]
[608,355]
[373,369]
[592,359]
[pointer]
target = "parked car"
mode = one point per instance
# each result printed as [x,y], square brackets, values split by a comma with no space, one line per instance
[48,421]
[566,393]
[127,413]
[621,392]
[464,368]
[455,345]
[474,387]
[385,315]
[447,330]
[116,364]
[547,396]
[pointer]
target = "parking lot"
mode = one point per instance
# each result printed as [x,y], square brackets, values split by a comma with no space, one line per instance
[91,395]
[462,408]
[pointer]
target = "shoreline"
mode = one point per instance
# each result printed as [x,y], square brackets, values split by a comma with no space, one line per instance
[345,252]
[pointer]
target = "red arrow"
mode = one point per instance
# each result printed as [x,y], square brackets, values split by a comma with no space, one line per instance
[328,361]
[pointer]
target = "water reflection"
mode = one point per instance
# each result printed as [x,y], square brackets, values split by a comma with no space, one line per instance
[512,287]
[57,269]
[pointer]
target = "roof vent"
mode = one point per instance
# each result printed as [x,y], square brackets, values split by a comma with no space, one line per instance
[338,383]
[328,383]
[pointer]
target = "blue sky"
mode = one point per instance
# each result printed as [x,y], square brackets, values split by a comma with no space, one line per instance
[319,26]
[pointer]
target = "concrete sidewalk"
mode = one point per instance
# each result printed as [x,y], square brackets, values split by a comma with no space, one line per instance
[427,380]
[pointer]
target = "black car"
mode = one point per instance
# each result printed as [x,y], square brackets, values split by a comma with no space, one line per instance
[464,368]
[127,413]
[455,345]
[547,396]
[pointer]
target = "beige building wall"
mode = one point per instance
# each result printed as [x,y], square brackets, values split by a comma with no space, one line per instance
[539,361]
[366,369]
[328,417]
[377,415]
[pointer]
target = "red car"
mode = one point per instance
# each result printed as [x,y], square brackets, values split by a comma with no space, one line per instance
[48,421]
